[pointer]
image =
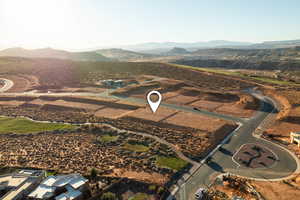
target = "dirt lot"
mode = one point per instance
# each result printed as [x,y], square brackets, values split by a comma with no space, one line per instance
[208,105]
[181,100]
[253,190]
[201,122]
[235,110]
[196,138]
[281,190]
[12,103]
[241,105]
[22,83]
[137,104]
[112,113]
[67,104]
[75,89]
[161,114]
[288,119]
[143,176]
[177,92]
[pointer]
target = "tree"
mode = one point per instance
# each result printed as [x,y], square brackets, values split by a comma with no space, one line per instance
[94,173]
[108,196]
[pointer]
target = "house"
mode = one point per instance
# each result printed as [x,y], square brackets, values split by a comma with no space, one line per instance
[113,83]
[18,185]
[295,137]
[61,187]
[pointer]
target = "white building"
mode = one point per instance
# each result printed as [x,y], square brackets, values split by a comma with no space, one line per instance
[71,187]
[19,184]
[295,137]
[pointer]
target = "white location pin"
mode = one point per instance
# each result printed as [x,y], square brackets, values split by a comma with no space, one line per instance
[154,105]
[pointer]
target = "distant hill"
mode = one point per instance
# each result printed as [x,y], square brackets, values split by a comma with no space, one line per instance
[280,58]
[193,45]
[122,55]
[292,53]
[276,44]
[177,51]
[163,47]
[241,64]
[53,53]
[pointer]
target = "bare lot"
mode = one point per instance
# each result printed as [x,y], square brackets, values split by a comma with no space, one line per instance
[22,82]
[197,133]
[67,104]
[288,119]
[196,121]
[282,190]
[177,92]
[112,113]
[161,114]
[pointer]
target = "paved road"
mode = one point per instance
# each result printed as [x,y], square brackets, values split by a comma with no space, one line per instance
[222,160]
[162,141]
[131,99]
[7,85]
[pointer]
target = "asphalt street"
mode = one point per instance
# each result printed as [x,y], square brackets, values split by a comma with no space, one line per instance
[7,85]
[131,99]
[222,162]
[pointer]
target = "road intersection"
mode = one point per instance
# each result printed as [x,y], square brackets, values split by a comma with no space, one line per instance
[221,161]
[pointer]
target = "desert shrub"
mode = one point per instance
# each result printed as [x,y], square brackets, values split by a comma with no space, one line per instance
[93,173]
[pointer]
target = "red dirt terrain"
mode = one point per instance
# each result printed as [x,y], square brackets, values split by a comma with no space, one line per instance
[22,82]
[177,92]
[254,190]
[281,190]
[160,115]
[55,73]
[196,121]
[67,104]
[288,119]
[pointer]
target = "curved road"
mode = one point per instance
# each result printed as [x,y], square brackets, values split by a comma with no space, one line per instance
[221,160]
[130,99]
[7,85]
[162,141]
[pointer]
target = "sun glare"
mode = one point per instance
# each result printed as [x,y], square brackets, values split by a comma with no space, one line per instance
[35,20]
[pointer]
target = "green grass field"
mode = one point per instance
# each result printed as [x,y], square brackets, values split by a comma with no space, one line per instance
[237,74]
[213,70]
[136,147]
[107,138]
[171,162]
[273,81]
[139,196]
[22,125]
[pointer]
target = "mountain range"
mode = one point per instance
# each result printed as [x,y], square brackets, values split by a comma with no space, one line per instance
[54,53]
[162,47]
[157,47]
[121,54]
[273,50]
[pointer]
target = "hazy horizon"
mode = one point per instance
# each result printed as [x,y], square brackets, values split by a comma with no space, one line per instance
[78,24]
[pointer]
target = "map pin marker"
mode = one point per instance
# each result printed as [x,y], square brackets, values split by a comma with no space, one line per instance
[154,105]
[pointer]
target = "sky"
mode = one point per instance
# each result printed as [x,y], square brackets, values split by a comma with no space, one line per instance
[82,24]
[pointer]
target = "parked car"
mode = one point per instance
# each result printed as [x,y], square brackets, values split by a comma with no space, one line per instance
[199,195]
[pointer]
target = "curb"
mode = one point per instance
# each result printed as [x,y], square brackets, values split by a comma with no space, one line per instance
[282,147]
[192,170]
